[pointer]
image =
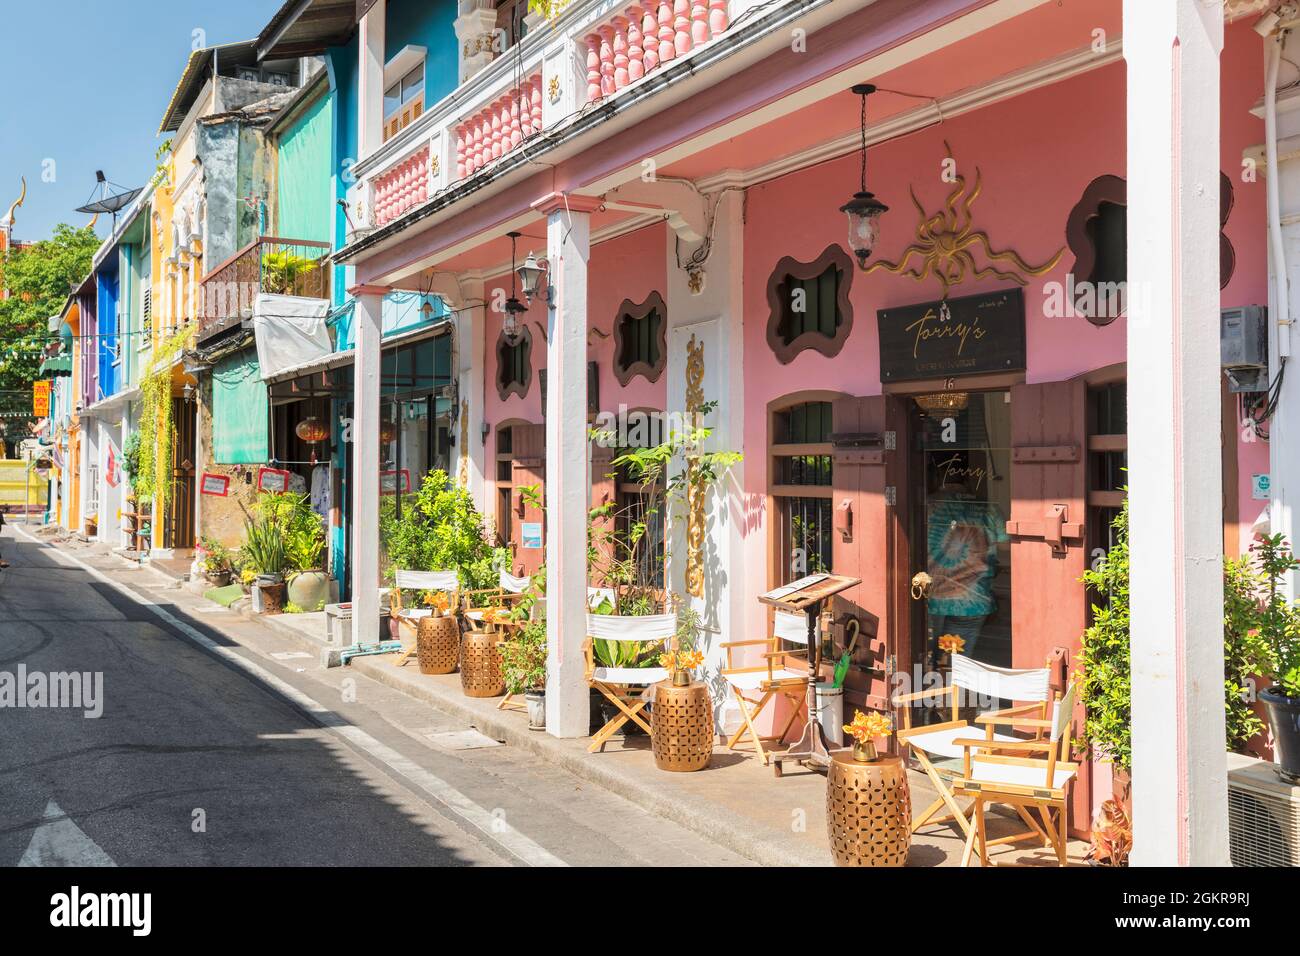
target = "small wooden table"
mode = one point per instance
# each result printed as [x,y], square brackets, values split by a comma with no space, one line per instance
[868,810]
[681,727]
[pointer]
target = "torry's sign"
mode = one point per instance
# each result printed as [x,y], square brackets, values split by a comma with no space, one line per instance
[967,336]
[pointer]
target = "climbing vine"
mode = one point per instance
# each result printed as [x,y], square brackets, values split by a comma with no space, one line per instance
[156,420]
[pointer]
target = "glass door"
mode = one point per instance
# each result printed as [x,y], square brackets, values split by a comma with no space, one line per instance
[962,500]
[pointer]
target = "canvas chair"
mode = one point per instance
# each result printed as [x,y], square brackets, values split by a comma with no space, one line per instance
[1010,773]
[774,679]
[594,598]
[408,619]
[630,689]
[935,747]
[510,588]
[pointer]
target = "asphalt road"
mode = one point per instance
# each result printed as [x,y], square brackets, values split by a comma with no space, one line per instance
[212,752]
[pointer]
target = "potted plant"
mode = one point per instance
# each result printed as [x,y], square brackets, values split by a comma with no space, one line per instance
[218,563]
[523,659]
[1279,623]
[282,269]
[264,555]
[865,730]
[303,530]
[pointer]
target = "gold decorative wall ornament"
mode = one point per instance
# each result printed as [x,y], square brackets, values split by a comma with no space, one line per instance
[553,88]
[462,479]
[946,240]
[694,495]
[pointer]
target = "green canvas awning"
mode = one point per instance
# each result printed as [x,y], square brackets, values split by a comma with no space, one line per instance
[239,412]
[55,366]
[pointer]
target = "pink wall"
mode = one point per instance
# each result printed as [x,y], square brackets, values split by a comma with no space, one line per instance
[1037,153]
[629,267]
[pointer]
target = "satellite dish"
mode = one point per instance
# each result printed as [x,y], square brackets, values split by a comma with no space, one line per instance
[108,201]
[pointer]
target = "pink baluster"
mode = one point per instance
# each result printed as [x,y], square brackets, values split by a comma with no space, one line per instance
[524,99]
[650,37]
[682,26]
[536,103]
[461,161]
[620,52]
[635,52]
[477,160]
[607,87]
[593,67]
[719,20]
[667,51]
[494,118]
[699,23]
[516,133]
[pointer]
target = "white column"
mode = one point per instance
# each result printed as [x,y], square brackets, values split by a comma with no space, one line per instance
[365,462]
[475,35]
[370,80]
[1180,814]
[568,234]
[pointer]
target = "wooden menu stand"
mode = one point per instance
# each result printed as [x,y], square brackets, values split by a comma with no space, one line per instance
[811,747]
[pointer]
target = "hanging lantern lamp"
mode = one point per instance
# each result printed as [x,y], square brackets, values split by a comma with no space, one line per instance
[864,209]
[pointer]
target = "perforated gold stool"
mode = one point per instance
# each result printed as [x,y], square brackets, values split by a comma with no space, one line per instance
[480,664]
[681,726]
[437,644]
[868,811]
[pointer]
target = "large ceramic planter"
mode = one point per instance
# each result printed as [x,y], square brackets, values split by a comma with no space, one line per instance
[309,590]
[1284,721]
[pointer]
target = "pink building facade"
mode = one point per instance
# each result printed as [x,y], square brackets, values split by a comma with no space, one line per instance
[706,202]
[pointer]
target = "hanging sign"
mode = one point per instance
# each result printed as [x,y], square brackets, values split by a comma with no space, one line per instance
[272,479]
[967,336]
[218,485]
[391,482]
[41,399]
[530,534]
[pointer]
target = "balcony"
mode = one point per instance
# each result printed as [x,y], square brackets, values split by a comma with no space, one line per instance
[594,50]
[268,264]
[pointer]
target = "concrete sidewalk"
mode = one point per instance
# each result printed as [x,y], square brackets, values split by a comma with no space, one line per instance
[736,802]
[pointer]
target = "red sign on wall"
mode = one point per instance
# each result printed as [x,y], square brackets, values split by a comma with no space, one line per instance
[218,485]
[272,479]
[393,482]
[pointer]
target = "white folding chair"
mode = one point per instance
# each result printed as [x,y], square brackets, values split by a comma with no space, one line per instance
[626,687]
[408,619]
[1004,772]
[935,746]
[773,679]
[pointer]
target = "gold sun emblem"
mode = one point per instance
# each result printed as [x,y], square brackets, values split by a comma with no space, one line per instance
[946,243]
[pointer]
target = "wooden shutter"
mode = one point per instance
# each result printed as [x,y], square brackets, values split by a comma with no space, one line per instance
[527,467]
[869,542]
[1049,553]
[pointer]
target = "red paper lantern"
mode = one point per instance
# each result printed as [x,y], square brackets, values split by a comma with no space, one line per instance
[312,429]
[387,433]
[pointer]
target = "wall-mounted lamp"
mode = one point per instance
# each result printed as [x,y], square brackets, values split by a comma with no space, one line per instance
[530,277]
[484,429]
[864,209]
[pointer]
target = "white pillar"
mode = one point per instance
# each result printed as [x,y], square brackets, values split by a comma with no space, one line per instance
[471,322]
[1180,814]
[370,80]
[365,462]
[568,235]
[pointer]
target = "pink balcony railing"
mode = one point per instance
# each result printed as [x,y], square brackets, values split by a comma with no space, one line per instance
[403,187]
[646,36]
[499,127]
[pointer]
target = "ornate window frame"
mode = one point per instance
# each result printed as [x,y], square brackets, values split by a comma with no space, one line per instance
[506,389]
[635,312]
[790,267]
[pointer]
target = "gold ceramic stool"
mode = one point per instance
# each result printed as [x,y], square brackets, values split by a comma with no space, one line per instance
[480,664]
[868,810]
[437,644]
[681,725]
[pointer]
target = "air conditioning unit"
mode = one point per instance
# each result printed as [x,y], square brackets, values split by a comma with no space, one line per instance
[1263,814]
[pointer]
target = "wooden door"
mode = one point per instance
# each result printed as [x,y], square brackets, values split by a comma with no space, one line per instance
[1049,608]
[178,531]
[527,470]
[869,541]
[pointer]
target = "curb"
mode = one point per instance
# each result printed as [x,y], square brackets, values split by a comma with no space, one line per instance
[754,843]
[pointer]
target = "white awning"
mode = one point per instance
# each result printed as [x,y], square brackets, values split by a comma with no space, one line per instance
[290,331]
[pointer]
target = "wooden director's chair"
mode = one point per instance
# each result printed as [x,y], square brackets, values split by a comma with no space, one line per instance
[773,679]
[936,747]
[1005,772]
[626,687]
[408,619]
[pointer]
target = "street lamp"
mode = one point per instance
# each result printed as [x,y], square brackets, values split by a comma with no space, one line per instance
[864,209]
[514,308]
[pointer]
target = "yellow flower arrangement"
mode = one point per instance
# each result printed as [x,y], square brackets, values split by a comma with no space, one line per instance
[496,615]
[438,600]
[952,644]
[681,660]
[869,726]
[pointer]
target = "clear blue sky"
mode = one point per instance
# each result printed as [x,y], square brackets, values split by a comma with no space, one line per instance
[85,82]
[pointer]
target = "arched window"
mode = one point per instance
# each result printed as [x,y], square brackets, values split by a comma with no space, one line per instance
[809,304]
[640,339]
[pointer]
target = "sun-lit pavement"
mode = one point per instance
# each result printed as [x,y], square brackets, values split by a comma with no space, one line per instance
[198,761]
